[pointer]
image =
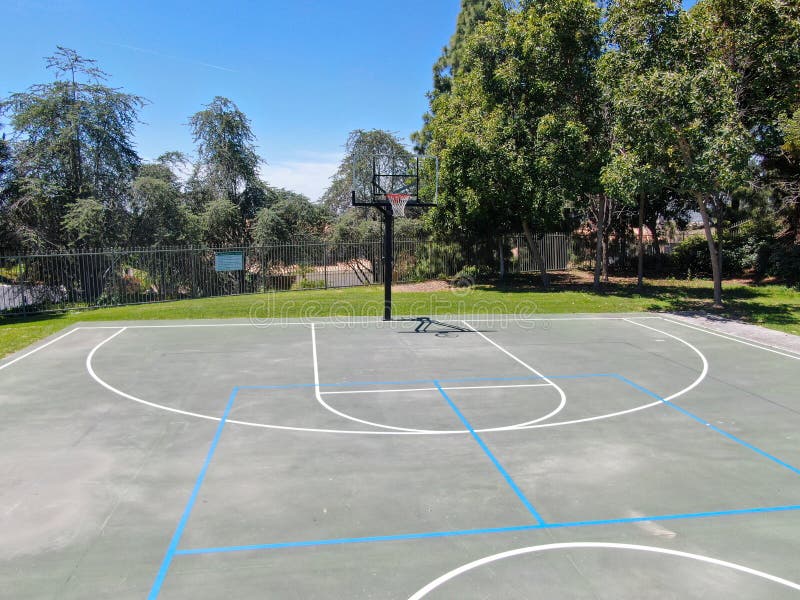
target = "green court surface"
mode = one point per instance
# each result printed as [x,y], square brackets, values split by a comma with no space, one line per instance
[625,457]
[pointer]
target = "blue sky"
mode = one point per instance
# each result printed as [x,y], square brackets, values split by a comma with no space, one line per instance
[305,72]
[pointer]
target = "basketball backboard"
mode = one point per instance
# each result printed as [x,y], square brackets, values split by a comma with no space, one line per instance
[374,176]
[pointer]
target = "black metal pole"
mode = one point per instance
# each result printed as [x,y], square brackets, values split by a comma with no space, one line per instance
[388,260]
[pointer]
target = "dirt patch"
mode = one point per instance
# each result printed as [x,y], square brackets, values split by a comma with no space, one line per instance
[434,285]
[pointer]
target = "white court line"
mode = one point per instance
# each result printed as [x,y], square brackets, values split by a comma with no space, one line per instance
[703,373]
[604,545]
[27,354]
[187,413]
[414,430]
[759,345]
[435,389]
[531,369]
[525,319]
[191,325]
[339,413]
[344,321]
[122,394]
[688,388]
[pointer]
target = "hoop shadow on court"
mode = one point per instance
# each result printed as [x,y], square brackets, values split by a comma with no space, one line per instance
[439,328]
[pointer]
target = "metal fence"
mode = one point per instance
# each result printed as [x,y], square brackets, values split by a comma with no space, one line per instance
[33,283]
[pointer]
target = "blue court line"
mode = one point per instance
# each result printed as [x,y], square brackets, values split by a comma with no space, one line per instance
[491,530]
[358,540]
[676,516]
[491,456]
[711,426]
[176,537]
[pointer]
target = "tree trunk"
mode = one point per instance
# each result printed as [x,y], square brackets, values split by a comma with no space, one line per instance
[598,262]
[640,246]
[537,255]
[652,225]
[716,271]
[720,226]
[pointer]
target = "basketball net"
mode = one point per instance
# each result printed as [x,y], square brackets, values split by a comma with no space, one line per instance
[398,203]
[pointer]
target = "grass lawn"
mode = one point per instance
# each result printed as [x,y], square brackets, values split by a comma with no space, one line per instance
[774,306]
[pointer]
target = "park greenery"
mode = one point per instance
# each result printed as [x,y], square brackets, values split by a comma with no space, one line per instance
[603,119]
[629,113]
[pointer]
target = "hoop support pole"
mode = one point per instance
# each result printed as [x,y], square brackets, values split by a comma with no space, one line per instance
[388,260]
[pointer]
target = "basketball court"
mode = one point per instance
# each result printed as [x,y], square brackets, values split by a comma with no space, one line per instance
[630,456]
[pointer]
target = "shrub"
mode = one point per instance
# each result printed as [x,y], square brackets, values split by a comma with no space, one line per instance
[754,241]
[784,262]
[690,258]
[470,275]
[309,284]
[435,260]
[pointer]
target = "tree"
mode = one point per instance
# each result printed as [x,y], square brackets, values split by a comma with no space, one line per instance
[641,36]
[788,183]
[517,135]
[222,223]
[676,107]
[72,140]
[291,216]
[472,13]
[360,146]
[228,161]
[8,194]
[159,215]
[85,224]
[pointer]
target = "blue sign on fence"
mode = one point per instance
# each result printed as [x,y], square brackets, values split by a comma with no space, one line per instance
[229,261]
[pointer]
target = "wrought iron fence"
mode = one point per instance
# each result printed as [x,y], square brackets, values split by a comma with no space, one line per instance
[32,283]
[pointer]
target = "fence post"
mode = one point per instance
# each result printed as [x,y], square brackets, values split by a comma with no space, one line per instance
[325,255]
[22,289]
[192,256]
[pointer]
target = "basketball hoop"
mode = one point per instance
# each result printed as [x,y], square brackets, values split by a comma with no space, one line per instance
[398,203]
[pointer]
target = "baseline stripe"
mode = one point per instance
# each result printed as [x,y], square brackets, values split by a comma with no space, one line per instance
[675,517]
[357,540]
[490,530]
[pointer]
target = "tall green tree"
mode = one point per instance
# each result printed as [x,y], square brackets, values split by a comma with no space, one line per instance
[518,133]
[676,109]
[641,36]
[472,13]
[227,158]
[72,141]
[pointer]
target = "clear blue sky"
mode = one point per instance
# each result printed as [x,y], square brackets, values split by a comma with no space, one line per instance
[306,72]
